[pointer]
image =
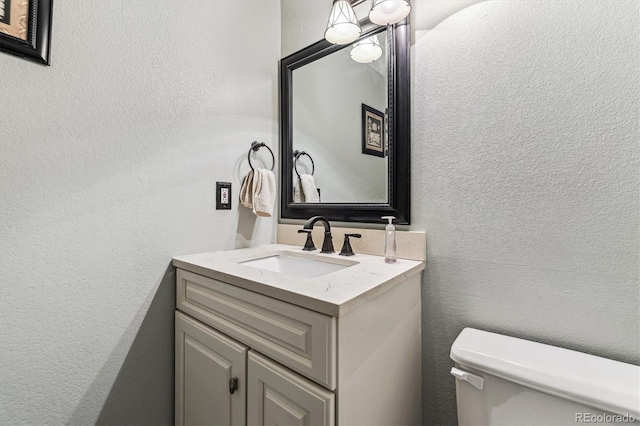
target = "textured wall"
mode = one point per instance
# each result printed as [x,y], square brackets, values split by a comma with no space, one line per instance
[108,163]
[525,160]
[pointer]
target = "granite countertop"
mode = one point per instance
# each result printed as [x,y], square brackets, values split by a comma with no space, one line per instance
[333,294]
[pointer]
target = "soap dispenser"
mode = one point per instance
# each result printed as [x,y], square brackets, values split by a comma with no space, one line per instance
[390,241]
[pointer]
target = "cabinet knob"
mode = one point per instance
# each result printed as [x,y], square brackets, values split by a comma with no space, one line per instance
[233,385]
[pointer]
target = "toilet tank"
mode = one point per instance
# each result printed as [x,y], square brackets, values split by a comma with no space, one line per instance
[502,380]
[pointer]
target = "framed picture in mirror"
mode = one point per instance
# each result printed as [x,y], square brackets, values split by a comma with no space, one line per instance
[373,137]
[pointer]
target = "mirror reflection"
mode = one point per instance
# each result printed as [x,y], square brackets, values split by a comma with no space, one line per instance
[339,125]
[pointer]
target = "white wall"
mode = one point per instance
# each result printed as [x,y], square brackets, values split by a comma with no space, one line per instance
[108,164]
[525,174]
[525,161]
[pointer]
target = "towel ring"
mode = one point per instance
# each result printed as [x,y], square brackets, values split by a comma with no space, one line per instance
[255,146]
[297,154]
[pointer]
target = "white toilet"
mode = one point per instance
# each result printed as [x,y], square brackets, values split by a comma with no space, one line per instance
[502,380]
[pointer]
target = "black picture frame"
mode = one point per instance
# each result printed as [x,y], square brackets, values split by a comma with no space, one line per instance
[398,143]
[37,44]
[373,133]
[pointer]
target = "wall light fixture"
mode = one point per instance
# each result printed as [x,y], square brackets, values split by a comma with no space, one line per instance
[387,12]
[343,27]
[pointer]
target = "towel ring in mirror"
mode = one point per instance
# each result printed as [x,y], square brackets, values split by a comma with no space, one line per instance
[297,154]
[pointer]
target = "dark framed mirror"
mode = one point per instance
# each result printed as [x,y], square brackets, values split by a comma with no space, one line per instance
[347,125]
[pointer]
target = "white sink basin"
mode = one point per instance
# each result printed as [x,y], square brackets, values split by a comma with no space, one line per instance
[298,266]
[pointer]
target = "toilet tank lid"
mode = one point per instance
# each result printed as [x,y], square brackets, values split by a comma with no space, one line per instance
[602,383]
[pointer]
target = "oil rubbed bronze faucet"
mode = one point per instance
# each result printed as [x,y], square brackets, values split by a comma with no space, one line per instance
[327,244]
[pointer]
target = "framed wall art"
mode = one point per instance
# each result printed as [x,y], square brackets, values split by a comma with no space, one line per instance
[373,140]
[25,29]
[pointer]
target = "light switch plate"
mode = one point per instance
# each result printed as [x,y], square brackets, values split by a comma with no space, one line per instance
[223,195]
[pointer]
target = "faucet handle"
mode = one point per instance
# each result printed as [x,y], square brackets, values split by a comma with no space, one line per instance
[346,247]
[308,245]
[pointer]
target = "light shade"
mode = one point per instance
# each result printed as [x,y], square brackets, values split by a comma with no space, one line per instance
[386,12]
[366,50]
[343,27]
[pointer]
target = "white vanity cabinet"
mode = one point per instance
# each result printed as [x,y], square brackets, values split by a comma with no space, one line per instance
[294,364]
[277,396]
[221,382]
[208,364]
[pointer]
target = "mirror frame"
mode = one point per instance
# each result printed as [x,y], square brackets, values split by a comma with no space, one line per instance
[399,103]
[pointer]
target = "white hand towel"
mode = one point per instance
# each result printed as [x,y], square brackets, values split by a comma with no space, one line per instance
[298,195]
[309,189]
[246,191]
[264,192]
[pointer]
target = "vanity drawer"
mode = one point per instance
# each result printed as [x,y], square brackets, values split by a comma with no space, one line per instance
[300,339]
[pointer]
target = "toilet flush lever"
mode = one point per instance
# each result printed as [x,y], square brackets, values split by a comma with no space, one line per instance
[473,379]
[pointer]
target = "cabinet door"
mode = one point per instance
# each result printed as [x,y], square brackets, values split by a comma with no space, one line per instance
[206,361]
[278,396]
